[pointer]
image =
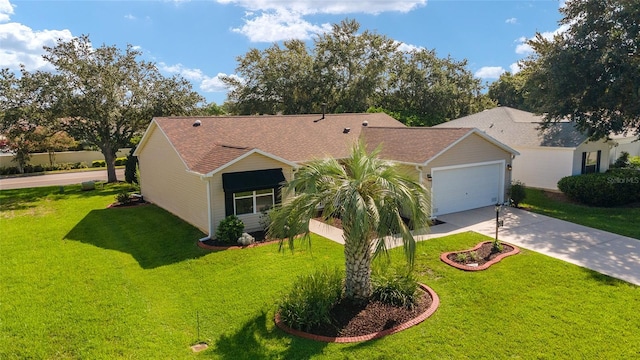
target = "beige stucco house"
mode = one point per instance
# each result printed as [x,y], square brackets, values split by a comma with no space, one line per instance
[205,168]
[546,156]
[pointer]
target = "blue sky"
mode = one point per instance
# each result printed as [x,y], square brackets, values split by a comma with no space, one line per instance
[200,40]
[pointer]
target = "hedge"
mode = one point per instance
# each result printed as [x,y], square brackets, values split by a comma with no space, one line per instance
[613,188]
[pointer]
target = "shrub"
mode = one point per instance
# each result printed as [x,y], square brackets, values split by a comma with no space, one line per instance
[121,161]
[622,161]
[399,288]
[230,229]
[615,187]
[98,163]
[130,167]
[634,162]
[517,193]
[311,299]
[123,197]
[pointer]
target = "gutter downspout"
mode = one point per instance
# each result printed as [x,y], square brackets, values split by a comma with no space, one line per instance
[210,221]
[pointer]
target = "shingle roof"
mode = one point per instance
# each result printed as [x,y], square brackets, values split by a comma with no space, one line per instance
[518,128]
[296,138]
[411,145]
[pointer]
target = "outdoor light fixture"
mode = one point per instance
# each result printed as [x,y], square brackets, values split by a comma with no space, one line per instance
[498,206]
[509,167]
[429,178]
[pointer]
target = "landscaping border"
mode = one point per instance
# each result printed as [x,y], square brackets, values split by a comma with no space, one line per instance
[212,247]
[435,302]
[484,266]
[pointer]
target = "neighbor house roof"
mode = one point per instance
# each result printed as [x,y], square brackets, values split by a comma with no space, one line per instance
[419,145]
[219,140]
[518,128]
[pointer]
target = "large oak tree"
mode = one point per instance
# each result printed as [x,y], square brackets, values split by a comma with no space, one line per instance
[590,74]
[108,96]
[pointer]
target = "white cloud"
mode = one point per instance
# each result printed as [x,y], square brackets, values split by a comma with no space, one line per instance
[490,72]
[6,10]
[275,20]
[511,21]
[306,7]
[130,17]
[279,25]
[23,45]
[515,68]
[404,47]
[206,83]
[525,49]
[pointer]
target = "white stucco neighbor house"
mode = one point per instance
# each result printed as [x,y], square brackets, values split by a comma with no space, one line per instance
[545,156]
[203,169]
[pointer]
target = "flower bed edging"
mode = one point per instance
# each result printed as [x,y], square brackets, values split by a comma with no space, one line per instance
[435,302]
[444,258]
[211,247]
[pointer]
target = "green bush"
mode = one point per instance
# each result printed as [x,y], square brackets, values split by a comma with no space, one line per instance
[121,161]
[634,162]
[311,299]
[397,288]
[622,161]
[98,163]
[230,229]
[613,188]
[123,197]
[517,193]
[130,167]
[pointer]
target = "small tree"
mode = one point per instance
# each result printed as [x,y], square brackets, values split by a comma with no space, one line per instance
[130,168]
[622,161]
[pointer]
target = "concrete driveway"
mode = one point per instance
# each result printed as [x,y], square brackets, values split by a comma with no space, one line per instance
[607,253]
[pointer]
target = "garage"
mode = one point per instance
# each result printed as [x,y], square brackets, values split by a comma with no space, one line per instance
[465,187]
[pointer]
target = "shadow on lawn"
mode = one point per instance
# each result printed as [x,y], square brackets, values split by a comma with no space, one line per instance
[22,199]
[250,341]
[151,235]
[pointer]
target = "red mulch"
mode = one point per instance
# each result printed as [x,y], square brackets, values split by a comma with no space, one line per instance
[484,254]
[352,319]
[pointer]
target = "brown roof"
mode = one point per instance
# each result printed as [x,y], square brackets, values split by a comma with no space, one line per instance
[414,145]
[296,138]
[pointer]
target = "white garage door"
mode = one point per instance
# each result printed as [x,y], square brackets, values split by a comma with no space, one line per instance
[466,187]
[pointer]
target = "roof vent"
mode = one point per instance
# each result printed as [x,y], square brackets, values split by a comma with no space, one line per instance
[197,123]
[365,123]
[346,130]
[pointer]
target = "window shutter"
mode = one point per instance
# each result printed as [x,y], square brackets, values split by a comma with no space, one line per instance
[598,161]
[228,203]
[584,163]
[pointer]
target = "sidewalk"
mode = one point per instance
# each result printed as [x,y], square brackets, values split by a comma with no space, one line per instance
[607,253]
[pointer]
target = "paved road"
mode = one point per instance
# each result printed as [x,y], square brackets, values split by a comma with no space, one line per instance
[57,179]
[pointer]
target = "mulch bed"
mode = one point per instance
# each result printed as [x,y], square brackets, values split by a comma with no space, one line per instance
[134,202]
[259,236]
[361,322]
[485,256]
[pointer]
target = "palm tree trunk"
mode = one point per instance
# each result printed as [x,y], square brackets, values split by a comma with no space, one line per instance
[358,270]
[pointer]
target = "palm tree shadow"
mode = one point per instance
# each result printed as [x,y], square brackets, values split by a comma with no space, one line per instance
[249,343]
[152,236]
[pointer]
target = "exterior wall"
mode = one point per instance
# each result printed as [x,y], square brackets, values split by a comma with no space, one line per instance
[61,157]
[473,149]
[165,182]
[628,145]
[591,146]
[543,167]
[250,163]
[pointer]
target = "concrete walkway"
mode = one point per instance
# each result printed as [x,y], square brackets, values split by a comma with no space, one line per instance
[607,253]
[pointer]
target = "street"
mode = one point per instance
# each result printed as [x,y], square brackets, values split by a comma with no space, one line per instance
[57,179]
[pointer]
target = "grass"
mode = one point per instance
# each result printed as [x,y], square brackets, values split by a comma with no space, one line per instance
[618,220]
[78,280]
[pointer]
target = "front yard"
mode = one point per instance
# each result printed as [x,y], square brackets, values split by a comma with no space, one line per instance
[78,280]
[618,220]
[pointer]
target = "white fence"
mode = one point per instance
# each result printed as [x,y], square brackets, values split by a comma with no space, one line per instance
[61,157]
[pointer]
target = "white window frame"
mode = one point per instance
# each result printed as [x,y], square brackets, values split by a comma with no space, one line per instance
[254,196]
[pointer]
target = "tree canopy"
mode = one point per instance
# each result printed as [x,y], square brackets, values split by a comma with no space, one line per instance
[590,74]
[351,71]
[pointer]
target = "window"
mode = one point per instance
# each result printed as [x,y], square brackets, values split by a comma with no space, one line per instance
[253,202]
[591,162]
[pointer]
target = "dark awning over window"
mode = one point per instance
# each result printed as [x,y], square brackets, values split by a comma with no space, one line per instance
[252,180]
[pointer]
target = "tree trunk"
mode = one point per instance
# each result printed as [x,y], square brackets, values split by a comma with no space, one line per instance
[358,257]
[110,159]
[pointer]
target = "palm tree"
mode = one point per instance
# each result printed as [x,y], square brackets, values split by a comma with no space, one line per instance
[372,198]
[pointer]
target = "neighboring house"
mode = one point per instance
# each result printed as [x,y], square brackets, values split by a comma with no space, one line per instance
[626,143]
[203,169]
[546,156]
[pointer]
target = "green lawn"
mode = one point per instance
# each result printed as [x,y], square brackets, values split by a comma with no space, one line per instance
[79,281]
[618,220]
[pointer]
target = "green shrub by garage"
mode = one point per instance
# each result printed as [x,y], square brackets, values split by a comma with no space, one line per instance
[613,188]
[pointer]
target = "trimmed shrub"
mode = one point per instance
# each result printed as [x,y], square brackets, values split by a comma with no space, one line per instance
[613,188]
[98,163]
[130,168]
[622,161]
[399,288]
[230,229]
[517,193]
[121,161]
[123,197]
[311,299]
